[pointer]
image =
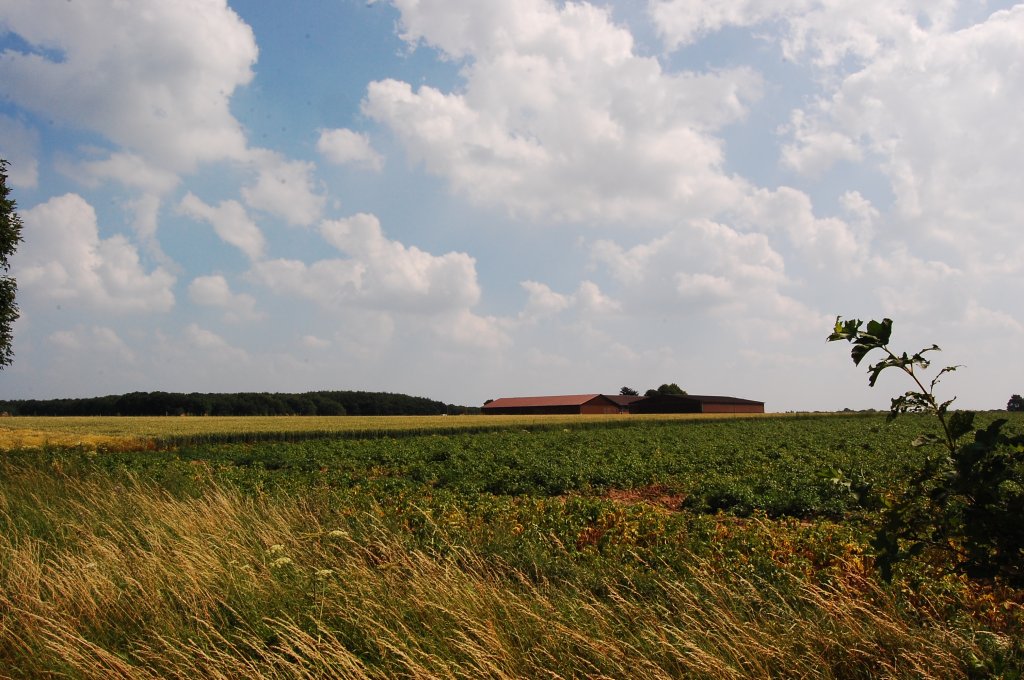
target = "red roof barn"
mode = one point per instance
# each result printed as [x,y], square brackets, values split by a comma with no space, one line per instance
[582,404]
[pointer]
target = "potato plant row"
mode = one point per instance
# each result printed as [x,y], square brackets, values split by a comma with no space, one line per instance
[821,466]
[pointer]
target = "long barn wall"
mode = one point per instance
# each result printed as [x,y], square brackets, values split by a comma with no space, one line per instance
[733,408]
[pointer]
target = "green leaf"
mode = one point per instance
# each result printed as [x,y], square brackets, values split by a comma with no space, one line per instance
[897,406]
[944,406]
[960,423]
[881,330]
[845,330]
[859,352]
[877,369]
[837,332]
[991,435]
[918,360]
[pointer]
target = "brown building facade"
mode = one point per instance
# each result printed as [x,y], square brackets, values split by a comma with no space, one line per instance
[624,401]
[694,403]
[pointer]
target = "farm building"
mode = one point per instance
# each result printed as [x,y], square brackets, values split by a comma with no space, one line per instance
[582,404]
[624,400]
[590,404]
[693,403]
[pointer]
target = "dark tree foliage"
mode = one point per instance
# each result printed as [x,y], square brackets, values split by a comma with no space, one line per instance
[10,237]
[1016,403]
[628,392]
[665,388]
[336,403]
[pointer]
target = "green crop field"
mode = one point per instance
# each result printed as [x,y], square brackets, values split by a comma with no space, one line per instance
[466,547]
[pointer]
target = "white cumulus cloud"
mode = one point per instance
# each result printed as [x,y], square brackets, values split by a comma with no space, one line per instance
[708,272]
[284,188]
[64,258]
[940,115]
[560,117]
[92,341]
[824,243]
[542,302]
[345,146]
[214,291]
[396,276]
[129,169]
[231,222]
[314,342]
[211,346]
[19,145]
[466,329]
[151,76]
[823,30]
[386,277]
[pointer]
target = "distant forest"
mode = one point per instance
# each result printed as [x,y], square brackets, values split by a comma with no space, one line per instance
[239,404]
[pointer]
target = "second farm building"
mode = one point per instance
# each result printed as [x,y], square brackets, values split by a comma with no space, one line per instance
[604,404]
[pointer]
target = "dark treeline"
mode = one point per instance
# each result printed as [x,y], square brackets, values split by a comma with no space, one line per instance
[238,404]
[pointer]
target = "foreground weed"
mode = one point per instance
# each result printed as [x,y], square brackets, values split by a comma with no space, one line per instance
[968,500]
[112,577]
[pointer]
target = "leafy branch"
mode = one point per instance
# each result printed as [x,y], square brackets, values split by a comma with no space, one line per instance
[923,400]
[968,502]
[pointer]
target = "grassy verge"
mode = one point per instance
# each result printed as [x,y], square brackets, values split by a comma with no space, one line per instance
[103,575]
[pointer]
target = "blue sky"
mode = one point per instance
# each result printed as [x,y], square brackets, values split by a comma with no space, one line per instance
[467,199]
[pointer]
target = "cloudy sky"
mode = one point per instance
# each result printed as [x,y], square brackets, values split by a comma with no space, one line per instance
[467,199]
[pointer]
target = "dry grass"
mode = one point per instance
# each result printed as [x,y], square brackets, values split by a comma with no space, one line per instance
[12,438]
[104,579]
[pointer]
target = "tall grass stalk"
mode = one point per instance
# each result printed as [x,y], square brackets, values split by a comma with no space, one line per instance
[118,579]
